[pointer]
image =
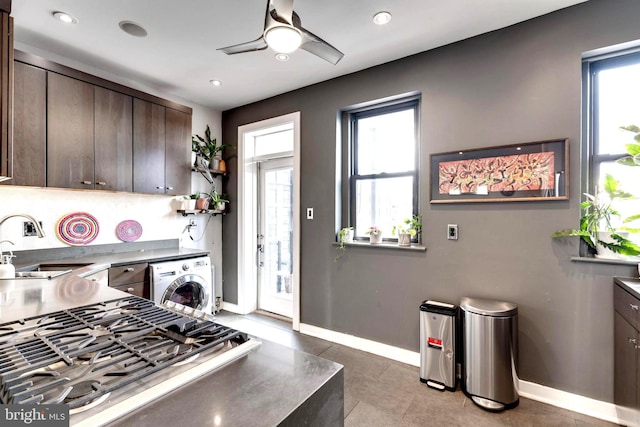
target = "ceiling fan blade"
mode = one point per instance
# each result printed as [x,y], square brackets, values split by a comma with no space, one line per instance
[252,46]
[314,44]
[283,9]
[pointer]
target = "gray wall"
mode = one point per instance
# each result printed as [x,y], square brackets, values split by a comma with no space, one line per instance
[519,84]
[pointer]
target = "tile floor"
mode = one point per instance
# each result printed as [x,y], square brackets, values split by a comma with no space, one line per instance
[383,392]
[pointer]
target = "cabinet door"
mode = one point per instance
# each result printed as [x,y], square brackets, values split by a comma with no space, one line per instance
[148,147]
[29,126]
[178,151]
[69,132]
[6,94]
[113,140]
[625,364]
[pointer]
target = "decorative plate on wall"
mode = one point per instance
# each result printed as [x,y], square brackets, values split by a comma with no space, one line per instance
[77,228]
[129,230]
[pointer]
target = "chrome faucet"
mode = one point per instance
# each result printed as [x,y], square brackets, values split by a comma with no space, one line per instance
[36,224]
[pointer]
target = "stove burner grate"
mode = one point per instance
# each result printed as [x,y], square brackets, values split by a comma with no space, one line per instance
[79,355]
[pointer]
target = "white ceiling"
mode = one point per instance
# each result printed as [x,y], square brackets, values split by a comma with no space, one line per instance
[179,56]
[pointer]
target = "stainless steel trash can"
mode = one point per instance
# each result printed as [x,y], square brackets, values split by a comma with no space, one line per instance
[490,342]
[438,344]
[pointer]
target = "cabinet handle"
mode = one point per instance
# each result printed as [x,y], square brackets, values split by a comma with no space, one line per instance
[86,182]
[159,188]
[633,307]
[101,183]
[169,188]
[130,290]
[632,340]
[129,269]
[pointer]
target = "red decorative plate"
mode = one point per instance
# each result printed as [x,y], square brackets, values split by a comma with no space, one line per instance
[129,230]
[77,229]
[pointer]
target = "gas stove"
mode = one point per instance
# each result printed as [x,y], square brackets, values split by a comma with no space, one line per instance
[105,360]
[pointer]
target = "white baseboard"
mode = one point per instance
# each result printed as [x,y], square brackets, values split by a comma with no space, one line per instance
[384,350]
[562,399]
[227,306]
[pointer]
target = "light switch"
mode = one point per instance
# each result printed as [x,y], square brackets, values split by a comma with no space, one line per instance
[309,213]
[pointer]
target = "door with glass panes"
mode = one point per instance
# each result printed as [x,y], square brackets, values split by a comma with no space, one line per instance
[275,236]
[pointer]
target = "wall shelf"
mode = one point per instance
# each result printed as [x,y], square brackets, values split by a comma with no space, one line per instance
[186,212]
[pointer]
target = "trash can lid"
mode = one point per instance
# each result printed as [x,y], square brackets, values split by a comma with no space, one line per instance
[488,307]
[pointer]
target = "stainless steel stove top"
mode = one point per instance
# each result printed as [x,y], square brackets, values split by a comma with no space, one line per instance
[104,360]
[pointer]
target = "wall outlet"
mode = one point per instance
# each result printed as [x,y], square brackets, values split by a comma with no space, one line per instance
[192,222]
[29,228]
[452,231]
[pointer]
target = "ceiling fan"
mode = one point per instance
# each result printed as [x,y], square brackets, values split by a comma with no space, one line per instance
[283,32]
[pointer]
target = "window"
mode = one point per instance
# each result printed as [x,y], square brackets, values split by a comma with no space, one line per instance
[615,95]
[383,175]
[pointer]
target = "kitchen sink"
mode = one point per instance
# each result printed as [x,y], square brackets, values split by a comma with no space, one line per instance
[56,266]
[48,270]
[48,274]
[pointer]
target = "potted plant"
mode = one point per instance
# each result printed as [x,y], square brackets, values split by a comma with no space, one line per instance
[344,235]
[218,203]
[202,201]
[375,235]
[409,228]
[208,148]
[190,202]
[602,227]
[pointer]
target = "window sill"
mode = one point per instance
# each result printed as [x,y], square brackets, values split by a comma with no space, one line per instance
[413,247]
[605,260]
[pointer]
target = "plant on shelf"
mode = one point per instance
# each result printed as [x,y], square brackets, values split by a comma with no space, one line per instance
[344,235]
[409,228]
[375,234]
[601,225]
[218,203]
[207,148]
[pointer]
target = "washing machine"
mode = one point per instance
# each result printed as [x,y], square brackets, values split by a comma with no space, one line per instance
[187,281]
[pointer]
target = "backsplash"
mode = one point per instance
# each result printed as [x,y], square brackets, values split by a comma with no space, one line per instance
[155,213]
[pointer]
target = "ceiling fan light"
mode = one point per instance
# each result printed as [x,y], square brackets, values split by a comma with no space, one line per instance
[283,39]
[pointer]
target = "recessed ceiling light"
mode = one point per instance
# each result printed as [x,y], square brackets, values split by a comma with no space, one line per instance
[215,82]
[65,17]
[381,18]
[132,29]
[282,57]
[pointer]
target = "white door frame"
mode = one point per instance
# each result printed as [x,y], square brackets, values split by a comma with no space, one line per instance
[248,215]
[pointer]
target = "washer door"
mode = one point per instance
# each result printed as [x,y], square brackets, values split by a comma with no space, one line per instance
[188,290]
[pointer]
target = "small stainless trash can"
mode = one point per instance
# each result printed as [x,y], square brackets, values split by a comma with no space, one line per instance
[490,346]
[438,344]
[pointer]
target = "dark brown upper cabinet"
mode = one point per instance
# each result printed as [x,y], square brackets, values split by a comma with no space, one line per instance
[70,153]
[6,92]
[148,147]
[178,149]
[97,134]
[113,144]
[29,126]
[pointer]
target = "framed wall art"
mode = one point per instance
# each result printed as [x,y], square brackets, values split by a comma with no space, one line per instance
[533,171]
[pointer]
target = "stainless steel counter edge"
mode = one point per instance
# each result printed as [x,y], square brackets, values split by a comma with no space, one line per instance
[629,284]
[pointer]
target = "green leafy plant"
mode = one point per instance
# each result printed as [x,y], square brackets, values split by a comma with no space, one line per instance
[206,147]
[216,199]
[600,215]
[633,148]
[343,237]
[373,230]
[412,226]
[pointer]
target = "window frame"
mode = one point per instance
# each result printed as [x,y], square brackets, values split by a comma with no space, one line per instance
[372,110]
[592,66]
